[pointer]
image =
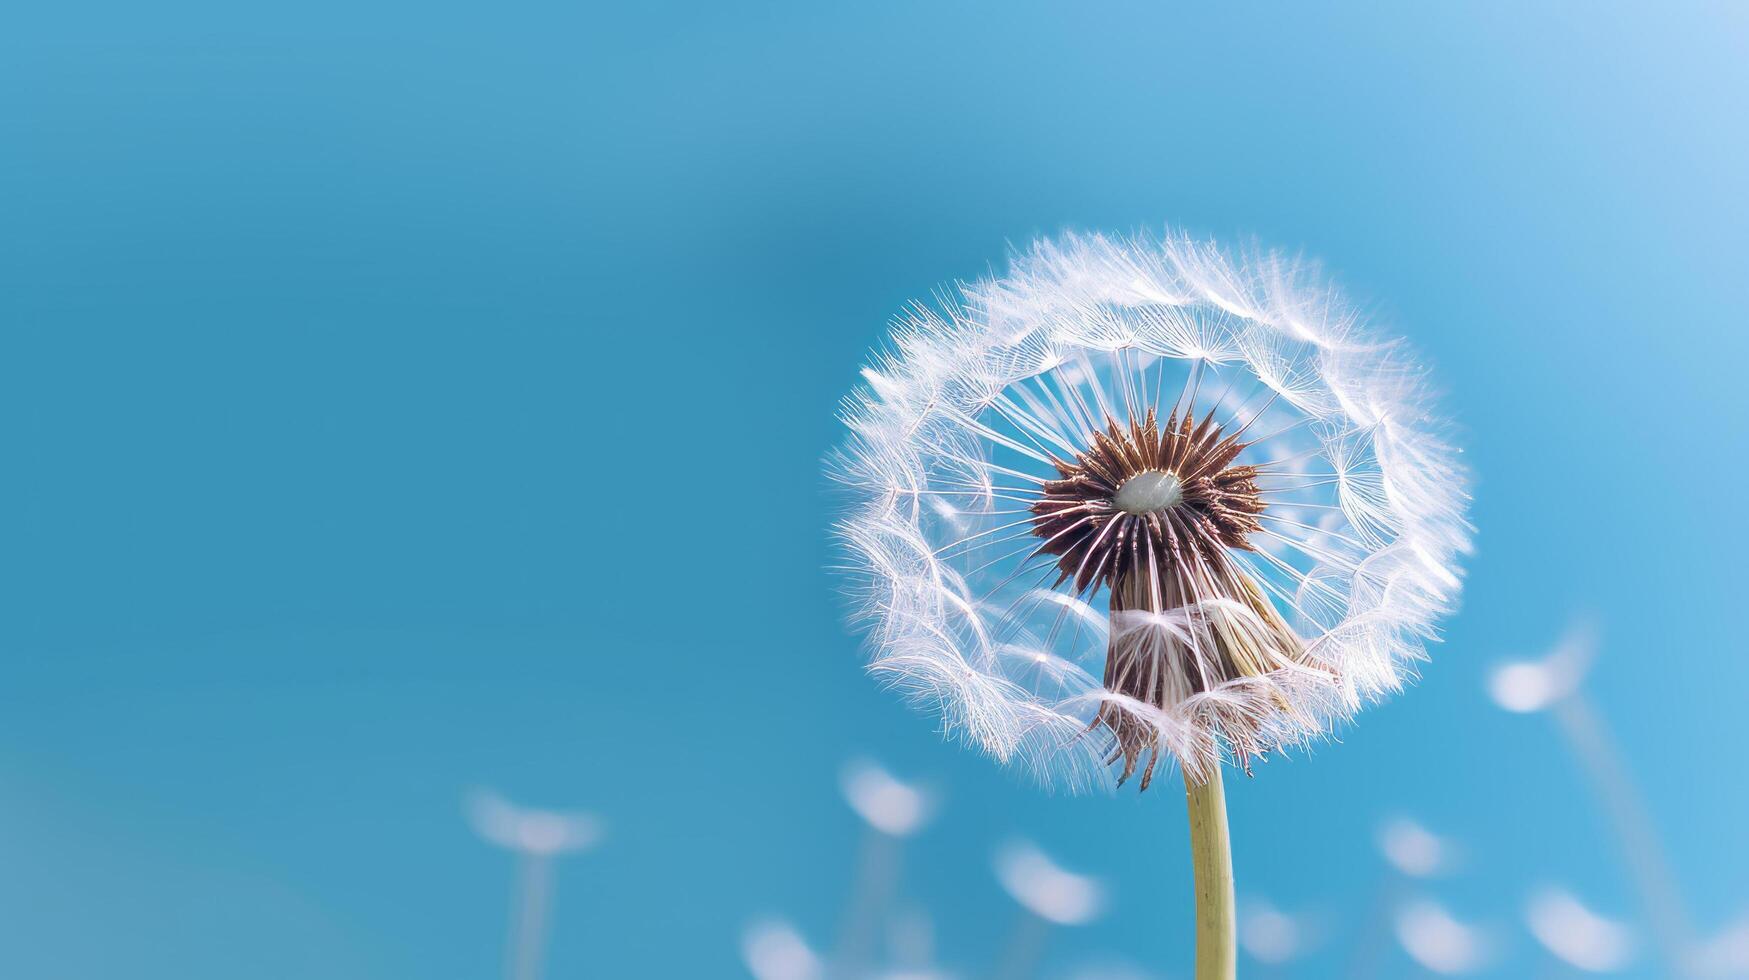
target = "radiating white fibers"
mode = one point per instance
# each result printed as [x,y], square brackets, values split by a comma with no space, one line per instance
[964,417]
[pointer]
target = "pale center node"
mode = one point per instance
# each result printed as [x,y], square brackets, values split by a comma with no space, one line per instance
[1148,492]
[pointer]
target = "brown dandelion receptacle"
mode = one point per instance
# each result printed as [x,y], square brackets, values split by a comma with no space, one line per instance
[1153,513]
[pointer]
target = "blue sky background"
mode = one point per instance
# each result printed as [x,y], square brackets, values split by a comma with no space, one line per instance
[401,398]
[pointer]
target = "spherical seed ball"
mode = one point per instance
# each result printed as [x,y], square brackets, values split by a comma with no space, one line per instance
[1138,500]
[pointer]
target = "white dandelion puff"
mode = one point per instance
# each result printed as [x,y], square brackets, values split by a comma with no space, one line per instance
[1576,935]
[1194,512]
[1138,501]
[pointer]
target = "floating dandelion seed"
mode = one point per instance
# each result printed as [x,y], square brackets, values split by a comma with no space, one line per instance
[775,950]
[893,807]
[1137,501]
[1414,850]
[1555,684]
[1527,686]
[893,810]
[543,833]
[1576,935]
[1725,953]
[1049,895]
[1045,889]
[538,837]
[1439,942]
[1271,935]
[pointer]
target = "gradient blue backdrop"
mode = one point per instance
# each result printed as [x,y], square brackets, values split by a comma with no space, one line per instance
[398,398]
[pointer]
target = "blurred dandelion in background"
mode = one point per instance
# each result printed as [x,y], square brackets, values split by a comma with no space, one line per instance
[538,838]
[1413,850]
[1412,853]
[1139,501]
[911,948]
[1554,684]
[1271,936]
[1529,686]
[1725,953]
[773,949]
[1048,895]
[1577,936]
[1436,940]
[892,810]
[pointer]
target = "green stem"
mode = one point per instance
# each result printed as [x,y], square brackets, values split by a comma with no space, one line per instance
[1211,858]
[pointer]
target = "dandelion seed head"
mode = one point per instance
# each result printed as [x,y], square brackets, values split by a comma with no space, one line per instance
[1139,501]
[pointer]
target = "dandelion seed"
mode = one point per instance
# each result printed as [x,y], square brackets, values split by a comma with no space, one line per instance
[893,811]
[1272,936]
[1435,939]
[1045,889]
[775,950]
[888,805]
[1196,513]
[1049,895]
[538,837]
[1576,935]
[1555,684]
[1725,953]
[1529,686]
[1414,850]
[543,833]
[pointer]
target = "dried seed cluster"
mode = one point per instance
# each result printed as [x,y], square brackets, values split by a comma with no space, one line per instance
[1152,512]
[1098,542]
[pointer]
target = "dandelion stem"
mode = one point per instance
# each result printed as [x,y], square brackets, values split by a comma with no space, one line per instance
[1626,809]
[877,877]
[1211,859]
[1025,948]
[534,896]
